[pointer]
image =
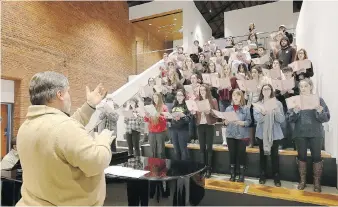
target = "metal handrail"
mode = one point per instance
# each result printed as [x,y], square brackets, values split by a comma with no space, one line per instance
[258,33]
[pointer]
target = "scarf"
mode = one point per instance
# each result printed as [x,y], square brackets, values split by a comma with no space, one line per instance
[268,133]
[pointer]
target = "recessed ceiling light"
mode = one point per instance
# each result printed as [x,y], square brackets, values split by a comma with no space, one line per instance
[150,24]
[210,10]
[175,19]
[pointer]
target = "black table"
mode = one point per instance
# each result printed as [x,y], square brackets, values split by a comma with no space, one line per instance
[169,182]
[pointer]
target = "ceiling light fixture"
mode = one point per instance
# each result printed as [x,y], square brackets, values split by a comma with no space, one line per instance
[210,10]
[150,24]
[175,19]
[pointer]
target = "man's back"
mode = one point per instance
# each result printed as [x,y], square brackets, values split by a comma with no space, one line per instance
[50,174]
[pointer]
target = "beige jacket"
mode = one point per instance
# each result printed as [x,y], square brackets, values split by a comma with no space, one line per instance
[62,165]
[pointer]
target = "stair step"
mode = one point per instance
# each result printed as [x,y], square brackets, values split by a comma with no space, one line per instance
[288,191]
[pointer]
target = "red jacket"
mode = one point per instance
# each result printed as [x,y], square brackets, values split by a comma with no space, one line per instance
[161,126]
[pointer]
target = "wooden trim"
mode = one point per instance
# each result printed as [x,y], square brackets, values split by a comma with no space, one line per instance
[223,185]
[221,148]
[293,195]
[273,192]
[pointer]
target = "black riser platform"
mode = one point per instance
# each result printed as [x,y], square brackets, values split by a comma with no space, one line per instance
[287,164]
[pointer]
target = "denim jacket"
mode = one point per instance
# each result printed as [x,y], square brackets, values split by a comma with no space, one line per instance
[279,118]
[309,123]
[235,131]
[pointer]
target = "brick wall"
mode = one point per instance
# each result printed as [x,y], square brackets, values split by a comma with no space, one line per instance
[89,42]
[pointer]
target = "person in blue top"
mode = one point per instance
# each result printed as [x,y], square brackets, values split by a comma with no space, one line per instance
[269,132]
[236,133]
[309,131]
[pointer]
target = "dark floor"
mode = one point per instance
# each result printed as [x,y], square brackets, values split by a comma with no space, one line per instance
[117,196]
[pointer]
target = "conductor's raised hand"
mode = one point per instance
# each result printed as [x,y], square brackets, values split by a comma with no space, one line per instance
[95,97]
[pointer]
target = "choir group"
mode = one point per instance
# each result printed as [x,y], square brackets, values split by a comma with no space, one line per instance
[263,97]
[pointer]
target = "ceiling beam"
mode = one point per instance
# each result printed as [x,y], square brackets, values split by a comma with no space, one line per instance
[222,10]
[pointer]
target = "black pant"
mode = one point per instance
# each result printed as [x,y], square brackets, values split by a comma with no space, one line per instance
[315,144]
[274,156]
[113,146]
[138,192]
[133,140]
[237,151]
[206,135]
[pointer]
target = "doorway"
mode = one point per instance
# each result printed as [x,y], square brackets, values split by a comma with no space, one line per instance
[6,128]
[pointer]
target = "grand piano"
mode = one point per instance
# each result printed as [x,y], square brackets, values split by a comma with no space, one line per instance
[168,182]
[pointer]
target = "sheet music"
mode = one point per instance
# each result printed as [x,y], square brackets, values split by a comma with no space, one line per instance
[206,78]
[300,65]
[191,104]
[189,90]
[203,105]
[125,172]
[151,110]
[224,83]
[309,102]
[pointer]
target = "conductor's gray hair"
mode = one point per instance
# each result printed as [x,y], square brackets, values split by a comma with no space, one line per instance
[44,86]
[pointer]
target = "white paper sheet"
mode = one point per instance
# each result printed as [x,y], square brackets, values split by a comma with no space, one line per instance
[189,90]
[128,113]
[192,106]
[214,79]
[224,83]
[309,102]
[300,65]
[151,110]
[125,172]
[203,105]
[293,101]
[206,78]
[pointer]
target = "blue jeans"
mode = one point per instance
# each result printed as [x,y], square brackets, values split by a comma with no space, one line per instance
[223,105]
[180,139]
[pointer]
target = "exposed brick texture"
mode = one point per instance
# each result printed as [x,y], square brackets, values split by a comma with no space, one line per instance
[89,42]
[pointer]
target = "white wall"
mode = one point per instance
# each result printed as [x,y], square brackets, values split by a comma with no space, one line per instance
[316,32]
[266,17]
[194,25]
[7,91]
[177,43]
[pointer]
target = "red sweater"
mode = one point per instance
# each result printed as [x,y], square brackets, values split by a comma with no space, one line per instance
[161,126]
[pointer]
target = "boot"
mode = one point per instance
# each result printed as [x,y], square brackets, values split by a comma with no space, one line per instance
[302,174]
[276,180]
[241,174]
[232,173]
[209,162]
[317,174]
[208,174]
[262,178]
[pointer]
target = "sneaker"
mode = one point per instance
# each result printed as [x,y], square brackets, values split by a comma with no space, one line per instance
[196,141]
[224,143]
[192,141]
[168,142]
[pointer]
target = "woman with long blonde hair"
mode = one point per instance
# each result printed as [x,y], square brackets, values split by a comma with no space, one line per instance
[157,127]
